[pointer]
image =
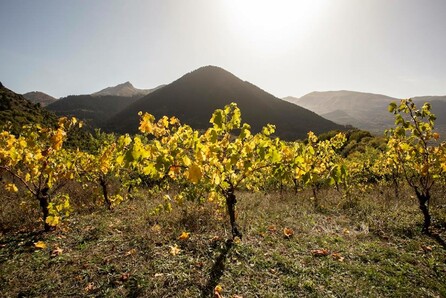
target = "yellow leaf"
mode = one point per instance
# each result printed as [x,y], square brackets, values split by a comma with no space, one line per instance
[57,139]
[173,121]
[212,196]
[130,252]
[218,290]
[184,236]
[11,187]
[40,244]
[146,123]
[194,173]
[156,228]
[186,160]
[52,220]
[174,250]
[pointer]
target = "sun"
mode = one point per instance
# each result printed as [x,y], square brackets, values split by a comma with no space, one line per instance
[268,22]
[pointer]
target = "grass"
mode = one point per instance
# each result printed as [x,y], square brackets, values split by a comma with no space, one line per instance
[372,246]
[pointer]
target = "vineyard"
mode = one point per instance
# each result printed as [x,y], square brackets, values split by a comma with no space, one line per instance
[225,212]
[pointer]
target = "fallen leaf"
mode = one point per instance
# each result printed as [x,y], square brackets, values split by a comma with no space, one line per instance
[337,256]
[215,238]
[345,231]
[237,240]
[159,274]
[174,250]
[125,276]
[320,252]
[40,244]
[130,252]
[272,228]
[426,248]
[184,236]
[156,228]
[288,232]
[89,287]
[217,291]
[57,251]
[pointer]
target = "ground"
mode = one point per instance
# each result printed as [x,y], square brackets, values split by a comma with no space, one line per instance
[369,246]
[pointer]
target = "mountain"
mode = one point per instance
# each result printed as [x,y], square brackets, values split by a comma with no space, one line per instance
[39,97]
[17,110]
[125,90]
[438,106]
[366,111]
[95,110]
[193,98]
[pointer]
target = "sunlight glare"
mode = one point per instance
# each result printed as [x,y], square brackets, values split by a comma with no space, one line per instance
[273,23]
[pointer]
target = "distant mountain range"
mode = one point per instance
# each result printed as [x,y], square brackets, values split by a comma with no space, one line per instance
[39,97]
[193,97]
[97,108]
[125,90]
[366,111]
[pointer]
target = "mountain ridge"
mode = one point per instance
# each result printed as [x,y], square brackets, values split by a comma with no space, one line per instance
[125,90]
[39,97]
[16,111]
[367,111]
[210,87]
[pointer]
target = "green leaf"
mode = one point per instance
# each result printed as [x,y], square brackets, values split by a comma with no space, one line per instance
[217,119]
[392,106]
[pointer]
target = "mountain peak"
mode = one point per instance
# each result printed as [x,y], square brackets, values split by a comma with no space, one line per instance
[39,97]
[196,95]
[125,90]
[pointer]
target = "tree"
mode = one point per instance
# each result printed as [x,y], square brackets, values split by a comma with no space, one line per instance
[318,163]
[220,161]
[106,163]
[228,157]
[412,147]
[37,160]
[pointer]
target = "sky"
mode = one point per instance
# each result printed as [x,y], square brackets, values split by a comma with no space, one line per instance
[286,47]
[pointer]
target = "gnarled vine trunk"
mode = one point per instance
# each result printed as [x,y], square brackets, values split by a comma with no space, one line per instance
[44,201]
[103,184]
[231,200]
[423,200]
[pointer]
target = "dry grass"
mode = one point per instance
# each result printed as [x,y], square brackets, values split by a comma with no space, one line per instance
[373,244]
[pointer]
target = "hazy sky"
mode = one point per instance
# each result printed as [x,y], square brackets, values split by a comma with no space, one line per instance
[392,47]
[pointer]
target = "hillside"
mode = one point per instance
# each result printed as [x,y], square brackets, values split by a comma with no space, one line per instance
[125,90]
[438,106]
[366,111]
[39,97]
[194,97]
[95,110]
[17,110]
